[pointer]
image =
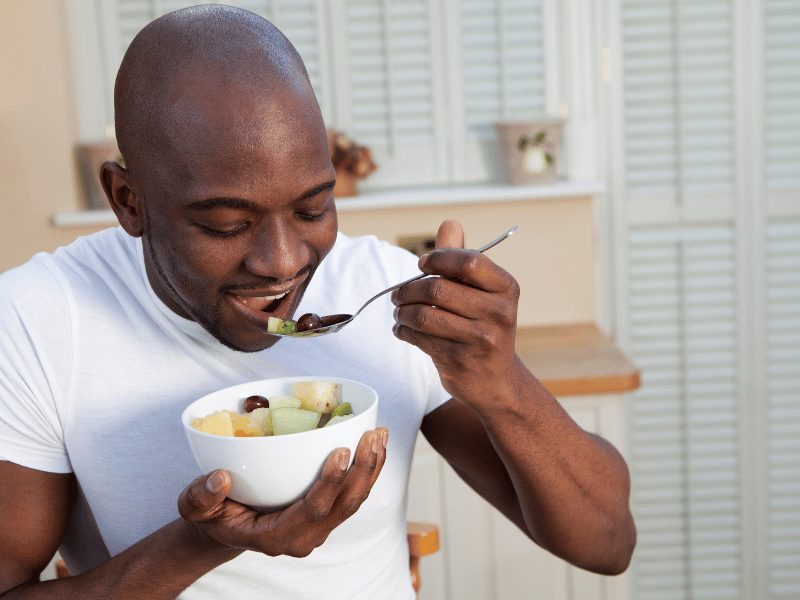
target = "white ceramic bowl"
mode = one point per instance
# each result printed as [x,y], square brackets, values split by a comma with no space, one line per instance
[270,473]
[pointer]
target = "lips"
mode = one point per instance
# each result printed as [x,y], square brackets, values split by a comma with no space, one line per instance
[257,306]
[260,303]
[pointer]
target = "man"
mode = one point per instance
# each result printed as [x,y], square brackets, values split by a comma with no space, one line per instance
[227,218]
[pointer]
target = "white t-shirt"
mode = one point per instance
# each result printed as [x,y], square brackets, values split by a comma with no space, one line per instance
[95,372]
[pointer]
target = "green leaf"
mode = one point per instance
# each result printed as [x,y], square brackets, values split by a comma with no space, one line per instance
[539,138]
[522,143]
[548,158]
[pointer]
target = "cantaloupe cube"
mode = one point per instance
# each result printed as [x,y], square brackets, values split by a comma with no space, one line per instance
[244,426]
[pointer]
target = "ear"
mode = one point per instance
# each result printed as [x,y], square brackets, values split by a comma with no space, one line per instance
[124,197]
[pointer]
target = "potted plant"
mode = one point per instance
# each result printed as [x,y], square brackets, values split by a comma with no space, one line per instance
[351,161]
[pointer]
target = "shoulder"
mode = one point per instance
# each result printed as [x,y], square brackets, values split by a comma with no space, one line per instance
[368,257]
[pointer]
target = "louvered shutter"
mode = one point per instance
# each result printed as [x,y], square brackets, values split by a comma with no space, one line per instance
[301,21]
[387,68]
[679,112]
[497,74]
[684,420]
[782,94]
[782,530]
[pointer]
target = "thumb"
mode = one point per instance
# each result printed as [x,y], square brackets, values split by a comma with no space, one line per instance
[450,235]
[200,499]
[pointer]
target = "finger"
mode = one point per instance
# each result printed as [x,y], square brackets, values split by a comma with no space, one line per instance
[202,499]
[435,304]
[450,235]
[317,503]
[467,266]
[369,460]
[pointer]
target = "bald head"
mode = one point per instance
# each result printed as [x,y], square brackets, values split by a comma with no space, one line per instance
[182,60]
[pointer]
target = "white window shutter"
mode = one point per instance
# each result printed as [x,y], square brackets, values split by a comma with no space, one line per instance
[679,112]
[782,94]
[497,74]
[389,91]
[684,420]
[782,303]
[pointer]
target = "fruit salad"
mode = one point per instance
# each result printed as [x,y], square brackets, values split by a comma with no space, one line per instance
[312,405]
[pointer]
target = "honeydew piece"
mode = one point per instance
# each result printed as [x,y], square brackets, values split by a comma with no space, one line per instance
[219,423]
[318,396]
[262,417]
[284,402]
[293,420]
[339,419]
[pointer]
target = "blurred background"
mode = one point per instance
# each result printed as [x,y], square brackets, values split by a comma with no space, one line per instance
[672,224]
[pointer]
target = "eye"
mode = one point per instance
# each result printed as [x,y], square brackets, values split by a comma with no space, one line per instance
[223,233]
[312,213]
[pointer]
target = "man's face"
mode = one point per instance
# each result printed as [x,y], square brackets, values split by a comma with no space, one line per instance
[240,210]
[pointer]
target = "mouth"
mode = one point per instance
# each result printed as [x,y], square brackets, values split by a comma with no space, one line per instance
[257,306]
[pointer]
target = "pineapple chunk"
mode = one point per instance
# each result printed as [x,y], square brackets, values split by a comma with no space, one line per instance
[262,417]
[293,420]
[218,423]
[244,426]
[284,402]
[316,395]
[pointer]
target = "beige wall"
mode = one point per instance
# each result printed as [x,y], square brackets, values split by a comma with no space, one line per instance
[552,254]
[37,129]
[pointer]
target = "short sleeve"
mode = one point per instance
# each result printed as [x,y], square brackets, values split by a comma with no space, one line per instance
[35,363]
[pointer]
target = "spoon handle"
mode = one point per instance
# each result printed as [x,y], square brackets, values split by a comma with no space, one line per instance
[482,249]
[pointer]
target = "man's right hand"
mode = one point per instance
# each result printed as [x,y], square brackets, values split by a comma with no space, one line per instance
[299,528]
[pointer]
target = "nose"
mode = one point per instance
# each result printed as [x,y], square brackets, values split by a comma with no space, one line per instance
[278,251]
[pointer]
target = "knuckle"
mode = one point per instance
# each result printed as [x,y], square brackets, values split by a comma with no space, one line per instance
[317,513]
[472,262]
[513,288]
[351,505]
[438,291]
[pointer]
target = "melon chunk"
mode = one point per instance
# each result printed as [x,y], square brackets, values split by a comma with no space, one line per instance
[261,417]
[318,396]
[284,402]
[339,419]
[293,420]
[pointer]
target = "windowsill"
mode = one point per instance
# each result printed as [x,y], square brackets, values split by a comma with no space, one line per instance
[400,198]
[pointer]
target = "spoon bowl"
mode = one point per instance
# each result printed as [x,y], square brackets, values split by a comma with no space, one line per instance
[334,323]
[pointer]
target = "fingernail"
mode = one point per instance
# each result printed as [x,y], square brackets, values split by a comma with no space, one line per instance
[385,438]
[376,442]
[344,461]
[216,482]
[422,260]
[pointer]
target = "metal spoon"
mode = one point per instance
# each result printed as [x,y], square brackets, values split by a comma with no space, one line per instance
[333,323]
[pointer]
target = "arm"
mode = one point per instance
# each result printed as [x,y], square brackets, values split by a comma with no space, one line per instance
[34,507]
[564,487]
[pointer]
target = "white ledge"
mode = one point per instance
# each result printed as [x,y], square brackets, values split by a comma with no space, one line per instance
[401,198]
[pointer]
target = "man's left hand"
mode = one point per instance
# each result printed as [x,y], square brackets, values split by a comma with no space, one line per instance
[465,318]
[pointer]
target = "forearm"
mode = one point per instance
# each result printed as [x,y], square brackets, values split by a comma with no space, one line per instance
[572,488]
[159,567]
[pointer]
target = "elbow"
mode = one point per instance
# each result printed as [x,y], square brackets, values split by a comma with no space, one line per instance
[619,554]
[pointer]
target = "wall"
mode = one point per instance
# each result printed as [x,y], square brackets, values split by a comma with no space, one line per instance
[37,130]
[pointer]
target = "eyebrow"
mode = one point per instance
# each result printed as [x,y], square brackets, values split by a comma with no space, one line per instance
[240,203]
